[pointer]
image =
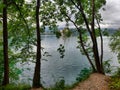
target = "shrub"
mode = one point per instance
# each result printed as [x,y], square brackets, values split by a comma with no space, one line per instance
[115,80]
[60,85]
[84,74]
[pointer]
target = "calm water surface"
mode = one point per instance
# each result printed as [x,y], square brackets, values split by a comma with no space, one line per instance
[67,68]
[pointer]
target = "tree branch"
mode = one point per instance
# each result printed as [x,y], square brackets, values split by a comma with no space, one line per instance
[83,14]
[26,24]
[21,15]
[81,42]
[101,56]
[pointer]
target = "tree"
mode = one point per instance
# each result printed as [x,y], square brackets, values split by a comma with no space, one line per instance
[5,45]
[36,78]
[115,43]
[22,43]
[84,13]
[19,11]
[23,23]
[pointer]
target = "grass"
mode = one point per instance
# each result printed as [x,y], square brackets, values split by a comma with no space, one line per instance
[15,87]
[115,80]
[115,83]
[60,85]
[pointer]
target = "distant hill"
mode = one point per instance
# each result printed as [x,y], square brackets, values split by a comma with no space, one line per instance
[110,31]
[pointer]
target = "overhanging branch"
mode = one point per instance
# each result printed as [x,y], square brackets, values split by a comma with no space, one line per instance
[81,42]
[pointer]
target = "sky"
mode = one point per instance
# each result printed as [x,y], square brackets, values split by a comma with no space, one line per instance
[111,16]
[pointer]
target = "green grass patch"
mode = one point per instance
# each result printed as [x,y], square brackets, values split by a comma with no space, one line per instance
[115,80]
[16,87]
[115,83]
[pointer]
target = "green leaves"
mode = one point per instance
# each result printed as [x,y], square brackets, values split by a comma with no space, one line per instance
[66,32]
[61,50]
[115,43]
[84,74]
[58,34]
[1,8]
[78,19]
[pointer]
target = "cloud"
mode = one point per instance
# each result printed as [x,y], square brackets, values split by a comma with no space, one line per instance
[111,16]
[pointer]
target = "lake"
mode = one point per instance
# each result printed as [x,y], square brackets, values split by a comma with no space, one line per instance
[54,68]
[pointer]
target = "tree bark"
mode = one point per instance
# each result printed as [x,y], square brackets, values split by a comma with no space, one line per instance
[81,43]
[91,31]
[36,78]
[5,45]
[95,45]
[101,38]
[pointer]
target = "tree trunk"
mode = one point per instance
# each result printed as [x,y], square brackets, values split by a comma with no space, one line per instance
[87,55]
[5,45]
[101,37]
[36,78]
[92,35]
[95,45]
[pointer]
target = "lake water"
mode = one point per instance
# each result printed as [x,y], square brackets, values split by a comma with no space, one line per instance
[67,68]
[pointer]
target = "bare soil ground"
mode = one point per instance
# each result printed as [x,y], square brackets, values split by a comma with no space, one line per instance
[94,82]
[36,89]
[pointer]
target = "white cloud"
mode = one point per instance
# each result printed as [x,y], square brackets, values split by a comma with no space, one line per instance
[111,17]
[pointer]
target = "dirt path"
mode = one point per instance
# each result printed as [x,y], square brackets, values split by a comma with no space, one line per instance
[36,89]
[94,82]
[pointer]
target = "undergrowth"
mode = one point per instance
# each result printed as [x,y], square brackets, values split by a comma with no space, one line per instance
[15,87]
[60,85]
[115,80]
[84,74]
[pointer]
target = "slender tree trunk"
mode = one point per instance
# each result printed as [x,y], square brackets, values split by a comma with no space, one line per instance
[92,34]
[101,38]
[82,44]
[5,45]
[95,45]
[36,78]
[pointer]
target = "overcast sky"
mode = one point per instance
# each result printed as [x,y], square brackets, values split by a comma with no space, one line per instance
[111,16]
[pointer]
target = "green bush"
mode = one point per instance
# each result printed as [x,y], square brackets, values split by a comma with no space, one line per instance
[115,80]
[107,66]
[84,74]
[115,83]
[60,85]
